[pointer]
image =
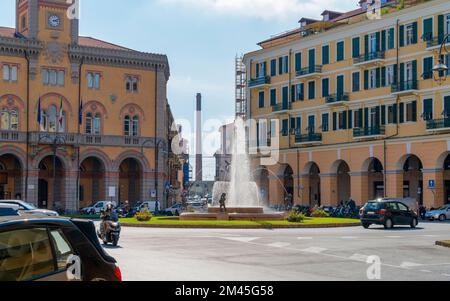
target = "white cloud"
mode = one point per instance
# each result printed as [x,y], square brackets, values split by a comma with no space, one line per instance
[266,9]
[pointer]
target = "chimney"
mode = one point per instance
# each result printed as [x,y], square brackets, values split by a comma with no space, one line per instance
[198,138]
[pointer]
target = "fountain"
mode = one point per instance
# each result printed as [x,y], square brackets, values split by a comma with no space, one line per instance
[243,198]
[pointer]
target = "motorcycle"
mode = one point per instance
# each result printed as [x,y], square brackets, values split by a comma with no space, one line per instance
[109,231]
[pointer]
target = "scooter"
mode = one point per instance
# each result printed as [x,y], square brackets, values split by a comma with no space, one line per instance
[109,231]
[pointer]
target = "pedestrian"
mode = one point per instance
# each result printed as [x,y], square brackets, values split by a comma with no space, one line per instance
[222,201]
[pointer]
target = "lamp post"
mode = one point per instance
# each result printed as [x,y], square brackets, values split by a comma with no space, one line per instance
[158,144]
[441,69]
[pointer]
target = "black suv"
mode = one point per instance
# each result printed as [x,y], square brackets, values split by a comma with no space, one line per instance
[34,248]
[388,213]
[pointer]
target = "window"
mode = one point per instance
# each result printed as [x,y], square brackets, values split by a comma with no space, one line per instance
[392,114]
[356,85]
[273,67]
[411,112]
[131,84]
[373,45]
[390,75]
[342,120]
[9,120]
[427,109]
[273,97]
[51,121]
[10,73]
[325,122]
[29,247]
[93,80]
[298,61]
[372,78]
[411,34]
[131,126]
[391,38]
[325,55]
[62,249]
[340,51]
[283,63]
[285,127]
[357,120]
[325,87]
[89,123]
[299,92]
[93,124]
[261,99]
[312,90]
[286,64]
[261,70]
[126,126]
[53,77]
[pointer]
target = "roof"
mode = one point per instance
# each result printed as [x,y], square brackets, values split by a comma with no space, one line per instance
[83,41]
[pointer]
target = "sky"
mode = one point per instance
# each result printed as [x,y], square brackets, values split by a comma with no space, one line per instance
[201,39]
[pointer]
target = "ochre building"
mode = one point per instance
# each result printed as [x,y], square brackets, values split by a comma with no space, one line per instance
[82,120]
[360,113]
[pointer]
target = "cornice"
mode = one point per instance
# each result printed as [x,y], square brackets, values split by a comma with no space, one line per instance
[18,46]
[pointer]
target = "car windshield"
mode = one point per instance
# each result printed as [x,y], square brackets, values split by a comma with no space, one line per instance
[372,206]
[444,208]
[27,206]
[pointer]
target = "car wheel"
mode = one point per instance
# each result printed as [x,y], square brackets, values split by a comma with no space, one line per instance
[177,213]
[366,226]
[388,224]
[442,218]
[115,241]
[414,223]
[105,243]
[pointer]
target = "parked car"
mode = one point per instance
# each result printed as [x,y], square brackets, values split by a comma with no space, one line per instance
[441,214]
[151,206]
[9,210]
[29,208]
[196,205]
[388,213]
[174,210]
[97,208]
[42,248]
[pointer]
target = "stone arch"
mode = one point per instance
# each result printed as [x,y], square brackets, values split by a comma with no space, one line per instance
[335,166]
[95,106]
[441,160]
[309,165]
[16,152]
[402,160]
[98,154]
[132,109]
[66,103]
[67,165]
[12,101]
[139,157]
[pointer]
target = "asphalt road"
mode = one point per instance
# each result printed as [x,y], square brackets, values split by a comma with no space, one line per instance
[285,255]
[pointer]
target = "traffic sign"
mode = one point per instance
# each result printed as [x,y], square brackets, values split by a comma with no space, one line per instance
[431,184]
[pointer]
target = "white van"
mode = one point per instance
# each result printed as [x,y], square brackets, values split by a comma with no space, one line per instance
[151,206]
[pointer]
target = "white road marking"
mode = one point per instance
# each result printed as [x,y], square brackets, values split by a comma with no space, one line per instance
[430,235]
[314,250]
[279,245]
[349,237]
[359,257]
[446,275]
[394,236]
[425,271]
[241,239]
[407,265]
[305,238]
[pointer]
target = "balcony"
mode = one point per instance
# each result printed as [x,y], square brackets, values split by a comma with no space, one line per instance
[12,136]
[337,99]
[281,108]
[370,58]
[435,42]
[438,125]
[49,138]
[406,87]
[259,82]
[369,132]
[311,71]
[311,138]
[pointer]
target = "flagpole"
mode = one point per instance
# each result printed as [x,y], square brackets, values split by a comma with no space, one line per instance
[80,120]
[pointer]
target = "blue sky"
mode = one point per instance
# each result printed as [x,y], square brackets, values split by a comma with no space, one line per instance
[200,37]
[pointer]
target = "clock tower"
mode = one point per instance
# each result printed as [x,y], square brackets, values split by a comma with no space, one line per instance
[47,20]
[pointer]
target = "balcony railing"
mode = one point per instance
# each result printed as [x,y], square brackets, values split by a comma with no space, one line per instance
[337,98]
[308,138]
[369,131]
[369,57]
[259,81]
[434,42]
[311,70]
[12,136]
[49,138]
[280,107]
[438,124]
[408,85]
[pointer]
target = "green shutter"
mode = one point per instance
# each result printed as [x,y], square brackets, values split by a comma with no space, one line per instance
[427,29]
[427,68]
[350,119]
[383,40]
[334,121]
[273,67]
[298,61]
[383,76]
[265,69]
[428,109]
[378,77]
[414,111]
[414,40]
[401,36]
[293,93]
[402,74]
[280,66]
[355,47]
[366,79]
[414,70]
[325,87]
[261,99]
[441,28]
[402,113]
[377,117]
[366,44]
[345,120]
[273,97]
[325,55]
[391,44]
[383,115]
[340,51]
[302,91]
[396,73]
[292,123]
[360,118]
[257,71]
[378,40]
[366,118]
[395,113]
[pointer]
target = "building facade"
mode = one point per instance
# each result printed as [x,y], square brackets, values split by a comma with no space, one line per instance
[82,120]
[354,106]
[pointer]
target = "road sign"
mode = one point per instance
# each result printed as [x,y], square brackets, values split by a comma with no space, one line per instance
[431,184]
[153,193]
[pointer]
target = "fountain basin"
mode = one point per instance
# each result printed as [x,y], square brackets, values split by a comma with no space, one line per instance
[234,214]
[252,210]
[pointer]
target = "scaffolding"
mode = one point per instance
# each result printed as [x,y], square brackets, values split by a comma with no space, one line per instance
[241,83]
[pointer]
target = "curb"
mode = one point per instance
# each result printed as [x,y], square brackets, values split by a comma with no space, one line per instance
[443,243]
[242,227]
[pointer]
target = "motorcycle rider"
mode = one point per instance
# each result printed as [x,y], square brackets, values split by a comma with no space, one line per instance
[107,215]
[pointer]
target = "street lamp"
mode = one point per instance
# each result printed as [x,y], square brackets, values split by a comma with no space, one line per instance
[441,69]
[156,161]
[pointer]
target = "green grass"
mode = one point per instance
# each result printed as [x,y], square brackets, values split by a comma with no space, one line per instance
[307,221]
[83,216]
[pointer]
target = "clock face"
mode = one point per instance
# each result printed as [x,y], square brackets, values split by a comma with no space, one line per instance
[54,21]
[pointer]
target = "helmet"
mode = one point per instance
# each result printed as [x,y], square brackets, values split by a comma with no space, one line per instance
[109,206]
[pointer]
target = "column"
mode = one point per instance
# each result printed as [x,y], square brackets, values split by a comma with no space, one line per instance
[276,191]
[394,183]
[70,192]
[433,198]
[328,189]
[304,191]
[112,186]
[32,187]
[359,187]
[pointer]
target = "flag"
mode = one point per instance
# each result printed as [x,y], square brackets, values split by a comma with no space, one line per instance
[80,114]
[39,112]
[61,113]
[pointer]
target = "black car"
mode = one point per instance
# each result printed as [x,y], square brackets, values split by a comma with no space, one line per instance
[388,213]
[34,248]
